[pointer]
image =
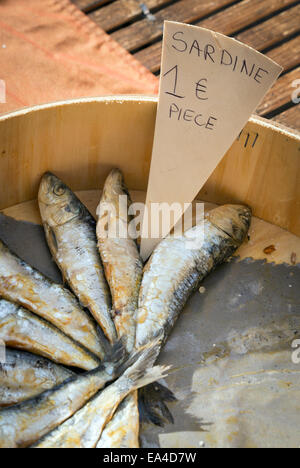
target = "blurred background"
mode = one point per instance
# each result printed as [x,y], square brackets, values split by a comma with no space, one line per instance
[270,26]
[57,49]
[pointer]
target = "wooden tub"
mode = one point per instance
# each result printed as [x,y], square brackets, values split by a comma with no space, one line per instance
[81,141]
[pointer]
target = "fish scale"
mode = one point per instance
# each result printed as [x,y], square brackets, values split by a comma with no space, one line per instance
[122,263]
[84,428]
[23,424]
[22,329]
[123,267]
[21,283]
[177,267]
[24,375]
[71,236]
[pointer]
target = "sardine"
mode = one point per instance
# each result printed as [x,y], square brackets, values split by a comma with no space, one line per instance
[71,235]
[123,268]
[24,285]
[122,263]
[122,431]
[178,265]
[24,375]
[22,329]
[84,429]
[25,423]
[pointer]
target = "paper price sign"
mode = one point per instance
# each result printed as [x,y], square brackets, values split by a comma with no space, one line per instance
[210,85]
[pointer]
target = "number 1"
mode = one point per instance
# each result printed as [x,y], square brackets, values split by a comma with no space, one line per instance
[175,83]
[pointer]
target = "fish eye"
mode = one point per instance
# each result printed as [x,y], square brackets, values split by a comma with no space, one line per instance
[59,190]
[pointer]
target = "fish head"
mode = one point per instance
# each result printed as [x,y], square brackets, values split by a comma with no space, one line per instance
[233,220]
[58,204]
[114,185]
[115,198]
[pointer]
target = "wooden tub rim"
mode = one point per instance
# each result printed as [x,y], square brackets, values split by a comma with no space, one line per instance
[269,124]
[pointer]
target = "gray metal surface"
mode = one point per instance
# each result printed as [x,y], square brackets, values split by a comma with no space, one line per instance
[231,350]
[27,240]
[232,346]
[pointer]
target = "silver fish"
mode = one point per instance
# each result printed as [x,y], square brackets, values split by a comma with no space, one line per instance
[25,423]
[178,265]
[24,375]
[21,329]
[84,429]
[24,285]
[122,431]
[123,268]
[71,235]
[122,263]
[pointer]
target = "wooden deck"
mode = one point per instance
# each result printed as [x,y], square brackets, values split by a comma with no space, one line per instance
[270,26]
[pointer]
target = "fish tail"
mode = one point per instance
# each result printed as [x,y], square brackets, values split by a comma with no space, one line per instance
[146,354]
[152,404]
[142,377]
[141,371]
[153,397]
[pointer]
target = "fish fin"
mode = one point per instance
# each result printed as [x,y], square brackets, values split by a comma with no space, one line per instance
[52,240]
[117,354]
[146,354]
[142,377]
[159,391]
[139,365]
[149,415]
[152,406]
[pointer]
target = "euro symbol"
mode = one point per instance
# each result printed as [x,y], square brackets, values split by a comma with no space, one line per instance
[201,88]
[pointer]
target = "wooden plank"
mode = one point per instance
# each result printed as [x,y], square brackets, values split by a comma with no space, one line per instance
[243,14]
[226,22]
[120,12]
[88,5]
[280,94]
[270,32]
[186,11]
[150,57]
[287,54]
[290,118]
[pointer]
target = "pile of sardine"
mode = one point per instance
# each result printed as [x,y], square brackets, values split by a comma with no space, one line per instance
[110,320]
